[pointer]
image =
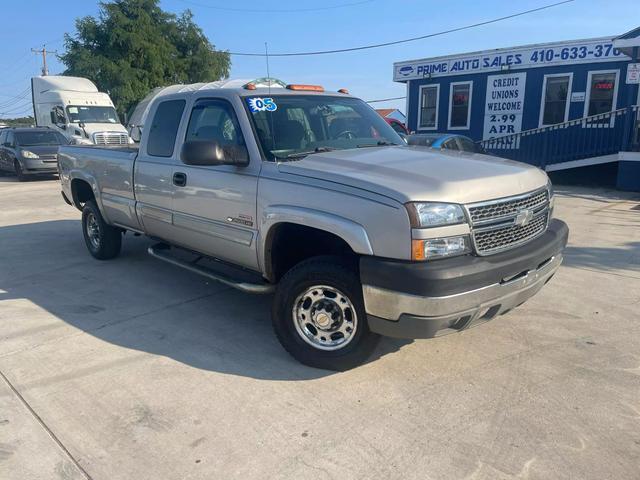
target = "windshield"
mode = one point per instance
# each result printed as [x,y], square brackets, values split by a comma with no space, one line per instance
[30,139]
[91,114]
[292,126]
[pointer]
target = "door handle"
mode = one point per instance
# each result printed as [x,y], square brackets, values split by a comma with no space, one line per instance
[179,179]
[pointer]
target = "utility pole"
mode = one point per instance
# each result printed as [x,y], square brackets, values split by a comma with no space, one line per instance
[43,51]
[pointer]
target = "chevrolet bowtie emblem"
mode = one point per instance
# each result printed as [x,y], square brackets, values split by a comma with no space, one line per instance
[523,217]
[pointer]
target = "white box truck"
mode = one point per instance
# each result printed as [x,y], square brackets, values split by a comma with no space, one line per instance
[74,107]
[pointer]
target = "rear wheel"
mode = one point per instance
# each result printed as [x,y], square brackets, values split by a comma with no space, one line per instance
[18,170]
[319,317]
[103,241]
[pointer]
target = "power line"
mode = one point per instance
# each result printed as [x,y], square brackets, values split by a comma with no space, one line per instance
[275,10]
[386,99]
[397,42]
[21,97]
[21,108]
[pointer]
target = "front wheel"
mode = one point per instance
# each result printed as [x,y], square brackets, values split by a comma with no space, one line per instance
[19,172]
[103,241]
[319,317]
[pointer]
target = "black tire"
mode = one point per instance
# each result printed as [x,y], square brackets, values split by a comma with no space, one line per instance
[105,241]
[338,274]
[19,172]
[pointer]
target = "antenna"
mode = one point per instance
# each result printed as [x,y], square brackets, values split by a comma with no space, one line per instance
[270,117]
[266,56]
[43,51]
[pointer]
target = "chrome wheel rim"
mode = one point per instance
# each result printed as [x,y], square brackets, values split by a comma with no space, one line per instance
[325,318]
[93,230]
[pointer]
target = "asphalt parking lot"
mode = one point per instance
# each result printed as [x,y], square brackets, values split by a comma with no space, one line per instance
[134,369]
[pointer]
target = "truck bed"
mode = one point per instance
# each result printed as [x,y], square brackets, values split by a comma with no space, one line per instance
[109,169]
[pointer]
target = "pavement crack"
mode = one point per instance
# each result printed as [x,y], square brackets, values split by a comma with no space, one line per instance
[46,428]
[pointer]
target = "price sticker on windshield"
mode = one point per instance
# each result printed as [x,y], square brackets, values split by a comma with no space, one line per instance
[262,105]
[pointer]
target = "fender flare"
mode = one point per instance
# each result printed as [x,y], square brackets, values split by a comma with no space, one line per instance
[83,176]
[351,232]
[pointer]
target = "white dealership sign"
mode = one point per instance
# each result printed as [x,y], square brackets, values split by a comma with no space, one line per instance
[504,104]
[543,55]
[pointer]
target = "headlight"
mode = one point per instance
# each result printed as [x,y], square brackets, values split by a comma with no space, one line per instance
[424,215]
[551,199]
[29,154]
[432,248]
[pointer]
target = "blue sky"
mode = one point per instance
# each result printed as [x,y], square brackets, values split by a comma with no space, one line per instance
[367,74]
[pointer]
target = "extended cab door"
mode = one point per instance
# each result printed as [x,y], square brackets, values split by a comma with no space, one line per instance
[154,169]
[214,207]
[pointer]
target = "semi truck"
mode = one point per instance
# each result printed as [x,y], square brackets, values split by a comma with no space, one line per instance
[74,107]
[312,197]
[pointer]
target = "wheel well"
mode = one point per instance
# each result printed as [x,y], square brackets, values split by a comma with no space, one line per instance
[81,192]
[288,244]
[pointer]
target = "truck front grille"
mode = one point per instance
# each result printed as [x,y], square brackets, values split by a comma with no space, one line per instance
[492,241]
[490,211]
[506,223]
[111,138]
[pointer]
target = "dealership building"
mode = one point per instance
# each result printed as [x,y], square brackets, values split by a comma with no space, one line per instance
[559,105]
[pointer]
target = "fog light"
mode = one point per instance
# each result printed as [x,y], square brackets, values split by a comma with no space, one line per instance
[432,248]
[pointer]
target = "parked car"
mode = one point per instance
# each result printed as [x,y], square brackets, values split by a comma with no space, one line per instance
[29,151]
[397,125]
[313,196]
[446,141]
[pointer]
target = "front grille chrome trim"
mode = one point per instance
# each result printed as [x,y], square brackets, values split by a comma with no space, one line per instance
[506,234]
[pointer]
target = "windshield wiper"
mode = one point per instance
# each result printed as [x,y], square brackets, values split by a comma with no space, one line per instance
[304,154]
[380,143]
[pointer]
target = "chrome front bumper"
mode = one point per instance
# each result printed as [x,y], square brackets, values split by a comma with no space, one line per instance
[404,315]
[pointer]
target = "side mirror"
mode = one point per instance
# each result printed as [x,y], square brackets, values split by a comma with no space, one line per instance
[135,133]
[209,152]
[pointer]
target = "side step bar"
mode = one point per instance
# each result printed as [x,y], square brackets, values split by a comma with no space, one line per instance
[161,252]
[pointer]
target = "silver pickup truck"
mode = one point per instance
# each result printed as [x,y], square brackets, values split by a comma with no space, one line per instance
[311,195]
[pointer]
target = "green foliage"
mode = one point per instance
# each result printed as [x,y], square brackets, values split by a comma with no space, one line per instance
[18,122]
[134,46]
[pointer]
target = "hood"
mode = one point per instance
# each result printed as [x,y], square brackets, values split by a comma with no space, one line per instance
[421,174]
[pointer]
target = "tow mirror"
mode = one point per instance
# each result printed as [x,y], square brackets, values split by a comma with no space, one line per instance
[209,152]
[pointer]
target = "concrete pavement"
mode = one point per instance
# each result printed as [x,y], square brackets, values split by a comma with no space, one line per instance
[135,369]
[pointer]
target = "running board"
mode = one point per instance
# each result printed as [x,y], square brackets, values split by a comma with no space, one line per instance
[161,252]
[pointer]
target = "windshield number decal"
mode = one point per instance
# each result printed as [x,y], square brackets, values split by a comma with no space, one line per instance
[262,105]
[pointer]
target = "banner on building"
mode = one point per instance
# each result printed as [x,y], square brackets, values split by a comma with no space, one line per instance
[504,105]
[543,55]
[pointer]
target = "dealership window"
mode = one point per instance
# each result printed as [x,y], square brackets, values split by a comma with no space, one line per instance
[429,95]
[460,105]
[601,92]
[555,99]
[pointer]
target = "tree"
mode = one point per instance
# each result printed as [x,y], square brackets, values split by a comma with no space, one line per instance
[134,46]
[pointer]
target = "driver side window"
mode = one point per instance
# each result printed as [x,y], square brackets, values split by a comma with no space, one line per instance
[214,120]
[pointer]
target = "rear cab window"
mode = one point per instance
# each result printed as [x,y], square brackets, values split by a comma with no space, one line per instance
[164,128]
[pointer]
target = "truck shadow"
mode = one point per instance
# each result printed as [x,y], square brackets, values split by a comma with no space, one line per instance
[606,259]
[138,303]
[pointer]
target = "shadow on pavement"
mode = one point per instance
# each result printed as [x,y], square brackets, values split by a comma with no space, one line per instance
[139,303]
[626,257]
